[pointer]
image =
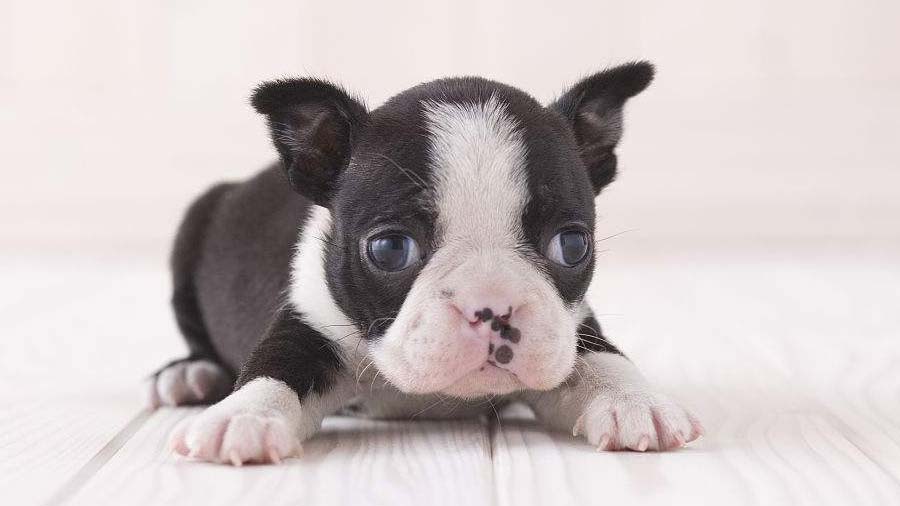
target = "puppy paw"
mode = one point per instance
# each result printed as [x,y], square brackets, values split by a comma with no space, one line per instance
[639,421]
[235,437]
[189,382]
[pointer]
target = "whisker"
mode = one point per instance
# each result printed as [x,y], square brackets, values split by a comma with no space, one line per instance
[364,370]
[324,241]
[494,408]
[578,371]
[440,400]
[348,335]
[372,386]
[418,181]
[597,241]
[585,325]
[376,321]
[580,347]
[593,338]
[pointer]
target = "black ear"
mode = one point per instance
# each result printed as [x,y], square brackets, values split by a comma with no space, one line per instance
[313,125]
[594,109]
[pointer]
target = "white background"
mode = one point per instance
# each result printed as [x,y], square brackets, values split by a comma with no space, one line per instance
[768,119]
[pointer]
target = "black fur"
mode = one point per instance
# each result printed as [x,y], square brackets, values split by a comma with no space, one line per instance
[594,109]
[590,338]
[240,267]
[231,260]
[185,257]
[313,124]
[287,343]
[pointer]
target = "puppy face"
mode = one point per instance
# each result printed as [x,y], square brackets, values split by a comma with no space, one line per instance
[459,236]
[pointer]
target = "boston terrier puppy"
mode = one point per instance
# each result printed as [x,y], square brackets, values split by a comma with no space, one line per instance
[426,258]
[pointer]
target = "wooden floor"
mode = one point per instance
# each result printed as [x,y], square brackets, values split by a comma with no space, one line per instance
[789,354]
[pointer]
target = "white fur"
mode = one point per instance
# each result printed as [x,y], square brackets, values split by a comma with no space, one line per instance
[478,171]
[309,292]
[262,421]
[188,383]
[477,158]
[613,406]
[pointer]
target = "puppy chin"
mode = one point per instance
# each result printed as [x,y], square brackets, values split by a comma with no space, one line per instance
[425,369]
[486,381]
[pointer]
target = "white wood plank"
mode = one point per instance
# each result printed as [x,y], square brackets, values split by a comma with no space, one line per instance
[83,323]
[770,354]
[79,335]
[784,458]
[46,441]
[351,462]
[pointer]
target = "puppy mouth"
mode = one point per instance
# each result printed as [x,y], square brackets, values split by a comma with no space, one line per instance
[489,365]
[489,378]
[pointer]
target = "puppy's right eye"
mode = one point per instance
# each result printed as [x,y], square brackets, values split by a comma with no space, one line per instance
[569,247]
[393,252]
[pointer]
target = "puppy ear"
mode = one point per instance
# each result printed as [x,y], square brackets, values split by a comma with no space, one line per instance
[313,124]
[594,109]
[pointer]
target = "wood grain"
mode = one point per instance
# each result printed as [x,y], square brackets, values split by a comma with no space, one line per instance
[796,411]
[791,366]
[46,441]
[351,462]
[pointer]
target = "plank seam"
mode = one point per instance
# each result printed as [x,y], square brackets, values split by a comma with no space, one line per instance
[90,468]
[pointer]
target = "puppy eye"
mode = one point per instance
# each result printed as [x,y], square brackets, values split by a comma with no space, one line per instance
[393,252]
[569,247]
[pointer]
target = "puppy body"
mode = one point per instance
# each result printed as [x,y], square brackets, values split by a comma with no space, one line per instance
[428,258]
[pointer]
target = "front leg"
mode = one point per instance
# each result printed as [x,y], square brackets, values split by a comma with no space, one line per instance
[293,379]
[609,402]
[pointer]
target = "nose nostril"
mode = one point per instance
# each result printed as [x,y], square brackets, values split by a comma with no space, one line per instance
[484,314]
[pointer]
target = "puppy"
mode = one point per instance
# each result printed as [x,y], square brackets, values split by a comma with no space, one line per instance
[439,246]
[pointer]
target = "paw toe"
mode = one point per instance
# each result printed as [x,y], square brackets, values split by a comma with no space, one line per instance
[234,438]
[189,382]
[206,380]
[636,430]
[598,427]
[637,422]
[171,386]
[204,438]
[243,441]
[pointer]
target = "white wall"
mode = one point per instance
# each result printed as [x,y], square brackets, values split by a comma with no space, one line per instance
[769,119]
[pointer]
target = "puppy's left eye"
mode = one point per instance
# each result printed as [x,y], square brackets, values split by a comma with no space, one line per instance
[393,252]
[569,247]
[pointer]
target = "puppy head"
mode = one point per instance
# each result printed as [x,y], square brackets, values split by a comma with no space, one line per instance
[459,221]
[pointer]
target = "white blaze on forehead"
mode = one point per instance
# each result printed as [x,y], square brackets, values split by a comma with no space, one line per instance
[478,158]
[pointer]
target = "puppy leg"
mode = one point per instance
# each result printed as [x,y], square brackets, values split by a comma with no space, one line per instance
[200,378]
[292,380]
[609,402]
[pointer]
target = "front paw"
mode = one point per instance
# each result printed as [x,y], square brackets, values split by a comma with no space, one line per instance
[235,437]
[638,420]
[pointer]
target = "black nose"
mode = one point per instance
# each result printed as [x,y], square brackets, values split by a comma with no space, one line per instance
[504,354]
[484,314]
